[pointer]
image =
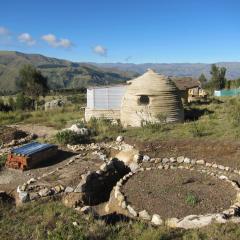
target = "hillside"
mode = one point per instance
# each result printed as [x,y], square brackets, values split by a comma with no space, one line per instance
[60,73]
[176,69]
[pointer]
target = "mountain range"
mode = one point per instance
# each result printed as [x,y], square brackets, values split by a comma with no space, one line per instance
[66,74]
[176,69]
[60,73]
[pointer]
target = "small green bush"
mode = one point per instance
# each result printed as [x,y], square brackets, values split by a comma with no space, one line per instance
[197,129]
[192,199]
[70,137]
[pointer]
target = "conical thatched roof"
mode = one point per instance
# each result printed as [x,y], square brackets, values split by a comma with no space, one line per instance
[149,96]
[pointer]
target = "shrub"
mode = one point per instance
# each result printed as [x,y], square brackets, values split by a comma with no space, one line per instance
[197,129]
[192,199]
[71,137]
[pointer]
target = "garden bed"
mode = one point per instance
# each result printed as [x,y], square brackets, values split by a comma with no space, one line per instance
[178,193]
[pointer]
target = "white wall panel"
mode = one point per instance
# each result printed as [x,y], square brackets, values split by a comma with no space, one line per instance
[105,97]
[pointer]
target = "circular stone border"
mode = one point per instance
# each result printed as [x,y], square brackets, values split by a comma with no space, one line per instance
[190,221]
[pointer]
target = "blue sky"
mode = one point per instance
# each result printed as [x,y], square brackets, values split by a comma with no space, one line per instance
[164,31]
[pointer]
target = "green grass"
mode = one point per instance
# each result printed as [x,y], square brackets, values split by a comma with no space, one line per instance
[55,118]
[192,199]
[218,121]
[53,221]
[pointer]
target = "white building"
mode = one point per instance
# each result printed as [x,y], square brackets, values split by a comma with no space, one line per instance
[104,102]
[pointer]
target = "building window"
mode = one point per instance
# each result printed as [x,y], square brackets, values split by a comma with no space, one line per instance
[143,100]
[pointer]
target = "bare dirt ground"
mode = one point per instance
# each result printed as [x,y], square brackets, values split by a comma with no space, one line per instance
[40,130]
[7,134]
[221,152]
[66,175]
[166,192]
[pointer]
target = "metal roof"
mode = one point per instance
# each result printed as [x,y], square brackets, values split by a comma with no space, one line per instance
[31,148]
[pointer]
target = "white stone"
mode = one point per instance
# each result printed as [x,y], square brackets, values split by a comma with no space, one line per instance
[160,166]
[222,177]
[200,162]
[156,219]
[69,189]
[144,215]
[119,139]
[146,158]
[187,160]
[172,160]
[165,160]
[221,167]
[180,159]
[132,211]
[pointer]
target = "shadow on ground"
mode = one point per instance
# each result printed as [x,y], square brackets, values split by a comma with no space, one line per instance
[59,157]
[192,114]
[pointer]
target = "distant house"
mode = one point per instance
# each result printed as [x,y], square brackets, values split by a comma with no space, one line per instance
[189,88]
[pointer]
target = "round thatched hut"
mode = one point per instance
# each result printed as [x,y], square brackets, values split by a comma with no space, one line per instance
[151,98]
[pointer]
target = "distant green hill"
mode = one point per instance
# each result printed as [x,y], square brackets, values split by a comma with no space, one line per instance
[60,73]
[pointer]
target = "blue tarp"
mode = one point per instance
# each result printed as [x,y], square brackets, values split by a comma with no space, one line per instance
[31,148]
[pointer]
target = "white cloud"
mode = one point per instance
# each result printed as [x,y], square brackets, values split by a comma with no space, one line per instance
[53,41]
[100,50]
[4,31]
[26,38]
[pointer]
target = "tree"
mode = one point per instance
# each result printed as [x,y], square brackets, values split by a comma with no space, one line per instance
[202,79]
[218,77]
[32,82]
[12,103]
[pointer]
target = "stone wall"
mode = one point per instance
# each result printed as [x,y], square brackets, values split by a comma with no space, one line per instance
[98,113]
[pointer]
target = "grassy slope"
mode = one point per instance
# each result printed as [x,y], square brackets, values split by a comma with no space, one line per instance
[60,73]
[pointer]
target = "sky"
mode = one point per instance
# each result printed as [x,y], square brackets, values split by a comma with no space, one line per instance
[128,31]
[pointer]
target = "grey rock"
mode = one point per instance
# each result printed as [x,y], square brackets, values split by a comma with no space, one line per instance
[23,196]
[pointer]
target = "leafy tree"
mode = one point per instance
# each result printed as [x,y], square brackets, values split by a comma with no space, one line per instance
[218,77]
[202,79]
[32,82]
[23,102]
